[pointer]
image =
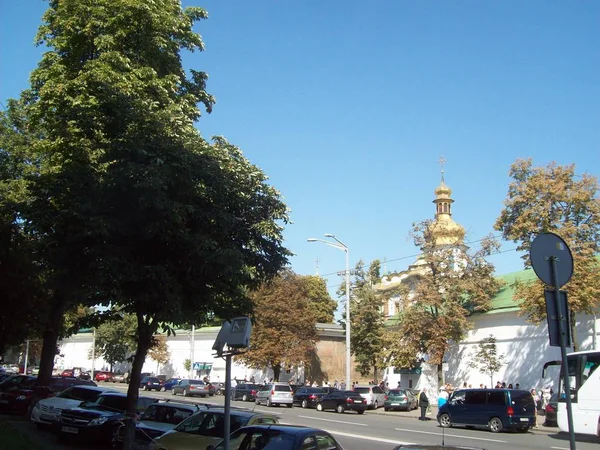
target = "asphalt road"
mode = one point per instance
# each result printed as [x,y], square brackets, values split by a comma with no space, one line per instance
[379,430]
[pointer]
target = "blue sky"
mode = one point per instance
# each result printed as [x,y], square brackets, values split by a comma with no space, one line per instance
[348,105]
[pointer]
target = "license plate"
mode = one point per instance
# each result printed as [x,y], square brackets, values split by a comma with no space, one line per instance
[524,419]
[72,430]
[46,417]
[357,401]
[395,404]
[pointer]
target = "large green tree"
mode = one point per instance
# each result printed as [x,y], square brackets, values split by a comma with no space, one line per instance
[321,302]
[284,333]
[554,199]
[453,283]
[116,339]
[486,358]
[133,208]
[367,331]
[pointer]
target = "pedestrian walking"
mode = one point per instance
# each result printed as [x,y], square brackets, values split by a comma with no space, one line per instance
[538,404]
[424,403]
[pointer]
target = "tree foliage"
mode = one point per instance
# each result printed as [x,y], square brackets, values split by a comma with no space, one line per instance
[129,204]
[116,339]
[284,332]
[554,199]
[453,283]
[487,359]
[319,299]
[367,331]
[159,351]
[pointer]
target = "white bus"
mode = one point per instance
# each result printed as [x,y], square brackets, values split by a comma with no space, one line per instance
[584,378]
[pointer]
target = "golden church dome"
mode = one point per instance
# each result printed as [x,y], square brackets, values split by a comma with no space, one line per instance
[444,230]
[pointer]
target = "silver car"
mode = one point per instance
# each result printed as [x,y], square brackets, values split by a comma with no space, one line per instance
[189,387]
[374,395]
[275,394]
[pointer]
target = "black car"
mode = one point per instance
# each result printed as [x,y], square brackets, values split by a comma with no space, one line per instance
[150,383]
[245,392]
[343,401]
[280,437]
[98,420]
[308,397]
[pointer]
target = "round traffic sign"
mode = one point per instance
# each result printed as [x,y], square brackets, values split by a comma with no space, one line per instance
[544,248]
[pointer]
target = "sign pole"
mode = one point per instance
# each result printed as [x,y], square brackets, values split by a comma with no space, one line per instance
[563,348]
[227,424]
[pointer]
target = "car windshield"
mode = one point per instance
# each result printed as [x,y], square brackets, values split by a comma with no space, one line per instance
[362,390]
[109,403]
[77,393]
[154,380]
[260,439]
[521,397]
[166,414]
[396,392]
[210,423]
[196,382]
[282,388]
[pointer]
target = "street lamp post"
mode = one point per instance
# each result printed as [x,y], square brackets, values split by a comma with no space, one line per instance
[341,246]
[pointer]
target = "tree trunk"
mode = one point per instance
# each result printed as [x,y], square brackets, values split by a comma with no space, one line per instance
[276,372]
[49,342]
[375,374]
[145,333]
[440,376]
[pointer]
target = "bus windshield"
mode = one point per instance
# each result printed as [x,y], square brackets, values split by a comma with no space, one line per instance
[580,369]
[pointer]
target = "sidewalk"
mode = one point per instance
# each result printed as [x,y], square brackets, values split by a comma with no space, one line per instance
[416,413]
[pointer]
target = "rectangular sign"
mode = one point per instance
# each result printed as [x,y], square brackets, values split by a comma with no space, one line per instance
[553,318]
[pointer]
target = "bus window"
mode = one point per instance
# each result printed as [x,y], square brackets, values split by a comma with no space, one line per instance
[589,364]
[572,363]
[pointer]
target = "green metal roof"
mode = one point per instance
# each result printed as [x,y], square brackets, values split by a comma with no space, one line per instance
[503,301]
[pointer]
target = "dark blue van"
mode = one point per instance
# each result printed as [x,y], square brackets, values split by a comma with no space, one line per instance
[495,409]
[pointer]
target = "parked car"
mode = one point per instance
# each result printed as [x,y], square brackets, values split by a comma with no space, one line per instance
[11,368]
[495,409]
[47,411]
[206,428]
[280,437]
[245,392]
[416,393]
[373,394]
[157,420]
[342,401]
[119,378]
[168,385]
[150,383]
[104,375]
[551,410]
[98,420]
[401,399]
[189,387]
[16,393]
[308,397]
[272,394]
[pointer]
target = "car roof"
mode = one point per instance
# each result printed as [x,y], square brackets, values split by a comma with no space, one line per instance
[290,429]
[189,406]
[365,385]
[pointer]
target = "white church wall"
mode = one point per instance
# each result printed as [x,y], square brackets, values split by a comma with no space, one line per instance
[525,346]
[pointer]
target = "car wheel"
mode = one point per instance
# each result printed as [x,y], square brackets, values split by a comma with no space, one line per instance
[244,398]
[162,389]
[173,391]
[269,404]
[304,404]
[185,393]
[319,407]
[340,409]
[375,405]
[444,421]
[362,411]
[495,425]
[289,405]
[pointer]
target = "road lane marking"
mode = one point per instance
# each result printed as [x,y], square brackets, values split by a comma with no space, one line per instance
[369,438]
[560,448]
[452,435]
[336,421]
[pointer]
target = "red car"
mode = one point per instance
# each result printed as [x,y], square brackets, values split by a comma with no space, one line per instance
[104,376]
